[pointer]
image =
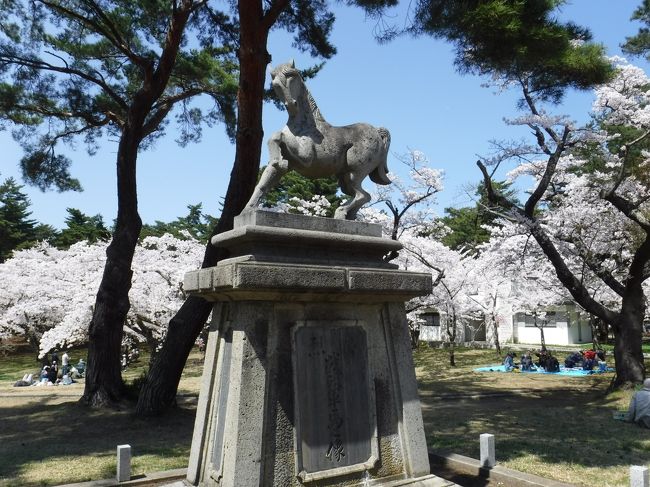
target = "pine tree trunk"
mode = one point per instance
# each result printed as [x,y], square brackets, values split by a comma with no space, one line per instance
[103,379]
[103,373]
[159,391]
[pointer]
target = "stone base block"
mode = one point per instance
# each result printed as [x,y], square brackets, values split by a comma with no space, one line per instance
[309,394]
[308,378]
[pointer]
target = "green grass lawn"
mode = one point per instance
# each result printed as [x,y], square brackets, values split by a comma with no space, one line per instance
[553,426]
[645,346]
[557,427]
[49,439]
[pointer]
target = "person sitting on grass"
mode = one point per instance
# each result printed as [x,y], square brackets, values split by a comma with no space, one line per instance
[573,360]
[552,364]
[542,356]
[81,367]
[589,354]
[52,373]
[589,363]
[639,410]
[526,361]
[509,362]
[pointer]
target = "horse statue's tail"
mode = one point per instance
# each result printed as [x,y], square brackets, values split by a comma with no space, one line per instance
[378,175]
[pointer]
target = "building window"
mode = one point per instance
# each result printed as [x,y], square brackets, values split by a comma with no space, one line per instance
[550,320]
[431,319]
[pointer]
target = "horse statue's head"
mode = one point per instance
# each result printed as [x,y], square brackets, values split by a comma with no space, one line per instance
[288,85]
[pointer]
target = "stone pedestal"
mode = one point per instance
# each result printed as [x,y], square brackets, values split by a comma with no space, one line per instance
[308,377]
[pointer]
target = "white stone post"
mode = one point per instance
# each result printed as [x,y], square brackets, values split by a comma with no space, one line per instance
[123,463]
[639,476]
[488,456]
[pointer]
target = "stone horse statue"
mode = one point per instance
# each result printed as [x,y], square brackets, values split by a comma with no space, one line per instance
[312,147]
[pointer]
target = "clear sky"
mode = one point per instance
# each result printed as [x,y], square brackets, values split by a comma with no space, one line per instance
[409,86]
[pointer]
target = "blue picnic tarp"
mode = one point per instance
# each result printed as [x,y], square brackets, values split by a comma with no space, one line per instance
[563,371]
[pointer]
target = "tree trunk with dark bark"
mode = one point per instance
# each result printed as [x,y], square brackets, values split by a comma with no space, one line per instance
[628,333]
[159,390]
[593,326]
[103,379]
[104,384]
[497,343]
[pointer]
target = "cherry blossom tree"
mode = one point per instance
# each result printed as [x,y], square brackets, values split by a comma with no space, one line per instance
[493,296]
[45,287]
[587,209]
[409,201]
[50,296]
[452,283]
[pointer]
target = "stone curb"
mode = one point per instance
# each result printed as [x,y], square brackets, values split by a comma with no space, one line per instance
[155,478]
[461,470]
[468,472]
[475,395]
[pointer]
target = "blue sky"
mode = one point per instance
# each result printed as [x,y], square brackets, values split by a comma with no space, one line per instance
[409,86]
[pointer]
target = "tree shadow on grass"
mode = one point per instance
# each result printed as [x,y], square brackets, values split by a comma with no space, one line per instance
[553,426]
[560,427]
[45,428]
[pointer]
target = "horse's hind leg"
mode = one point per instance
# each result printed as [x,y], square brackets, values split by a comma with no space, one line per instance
[344,183]
[351,185]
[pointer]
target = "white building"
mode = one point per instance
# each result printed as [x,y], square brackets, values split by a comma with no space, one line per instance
[562,325]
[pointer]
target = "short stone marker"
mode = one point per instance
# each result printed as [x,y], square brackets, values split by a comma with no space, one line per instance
[639,476]
[123,463]
[488,456]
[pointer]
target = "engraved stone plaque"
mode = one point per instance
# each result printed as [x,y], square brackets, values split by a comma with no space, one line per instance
[335,426]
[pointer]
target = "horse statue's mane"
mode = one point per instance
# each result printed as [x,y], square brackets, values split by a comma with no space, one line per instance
[314,108]
[291,71]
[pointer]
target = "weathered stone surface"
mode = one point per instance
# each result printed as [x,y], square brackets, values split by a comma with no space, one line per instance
[389,282]
[334,426]
[266,236]
[292,345]
[276,281]
[316,149]
[261,218]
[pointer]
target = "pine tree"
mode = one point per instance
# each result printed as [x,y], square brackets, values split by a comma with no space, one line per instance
[17,230]
[80,226]
[72,70]
[639,44]
[510,37]
[468,224]
[196,224]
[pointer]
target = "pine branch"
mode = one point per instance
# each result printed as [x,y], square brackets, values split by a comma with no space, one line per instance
[44,66]
[112,33]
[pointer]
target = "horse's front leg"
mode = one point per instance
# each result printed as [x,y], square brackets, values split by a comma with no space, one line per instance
[276,168]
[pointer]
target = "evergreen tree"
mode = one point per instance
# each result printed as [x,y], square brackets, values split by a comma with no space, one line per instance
[17,230]
[80,226]
[294,185]
[467,224]
[510,37]
[639,44]
[117,68]
[196,225]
